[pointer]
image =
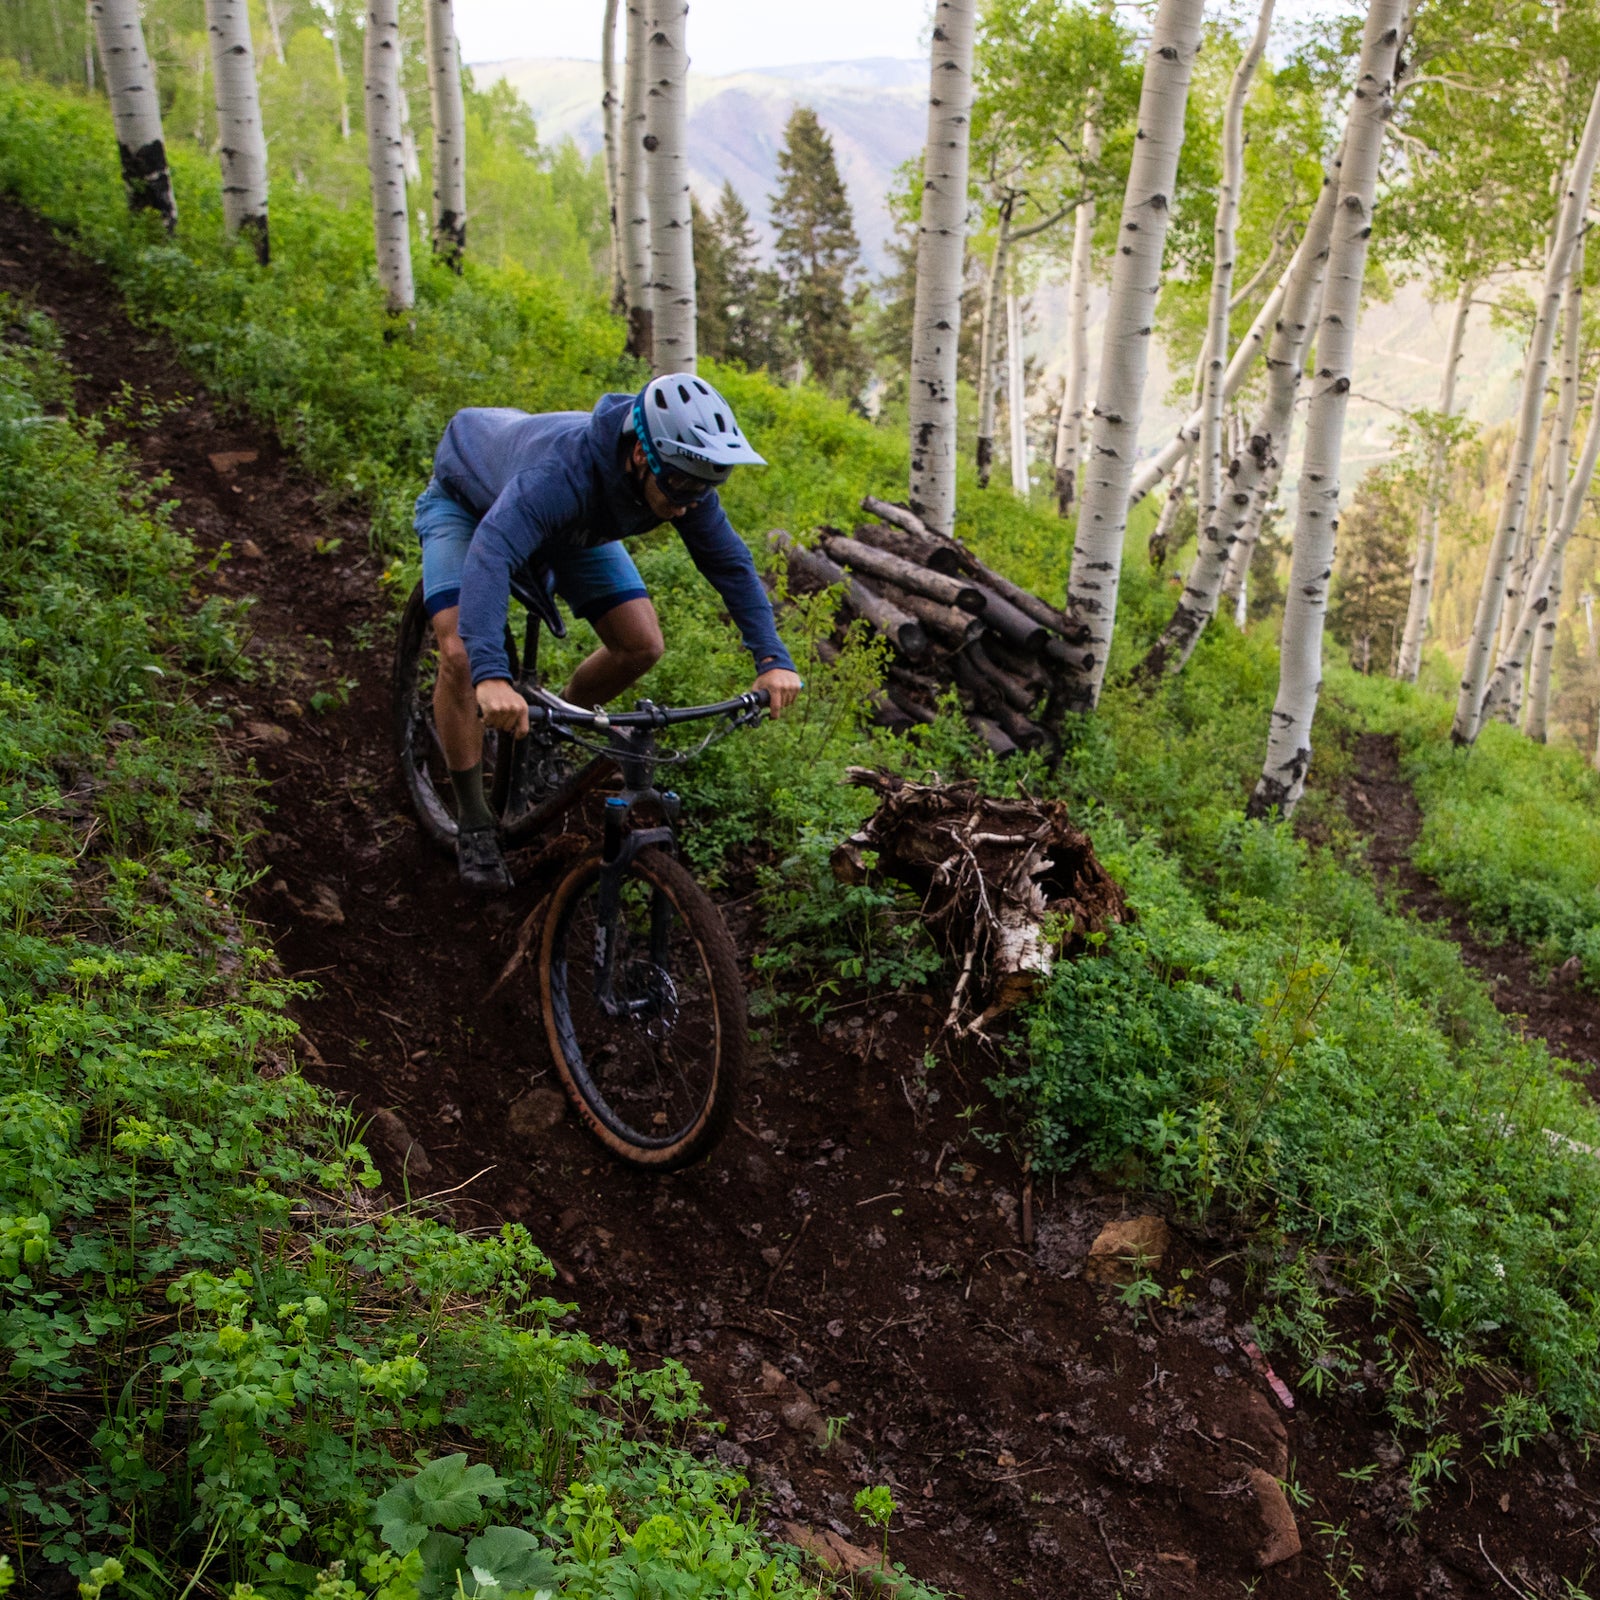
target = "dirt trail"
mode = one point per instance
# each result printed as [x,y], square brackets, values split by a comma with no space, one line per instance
[854,1251]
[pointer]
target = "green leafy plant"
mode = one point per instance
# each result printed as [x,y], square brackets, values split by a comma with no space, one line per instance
[876,1506]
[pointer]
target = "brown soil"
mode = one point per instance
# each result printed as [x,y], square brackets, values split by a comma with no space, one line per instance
[1549,1005]
[855,1250]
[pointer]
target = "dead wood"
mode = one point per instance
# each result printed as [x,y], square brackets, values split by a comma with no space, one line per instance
[895,540]
[868,558]
[903,631]
[1019,630]
[1008,886]
[945,623]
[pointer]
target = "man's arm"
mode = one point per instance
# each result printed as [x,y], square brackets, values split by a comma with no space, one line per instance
[727,565]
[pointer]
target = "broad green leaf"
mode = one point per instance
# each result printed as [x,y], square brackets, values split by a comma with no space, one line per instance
[504,1559]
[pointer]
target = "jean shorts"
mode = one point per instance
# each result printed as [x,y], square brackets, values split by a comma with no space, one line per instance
[592,581]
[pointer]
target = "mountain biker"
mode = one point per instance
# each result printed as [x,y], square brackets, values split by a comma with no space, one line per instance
[559,492]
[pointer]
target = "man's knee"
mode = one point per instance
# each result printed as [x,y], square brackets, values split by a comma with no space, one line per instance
[631,634]
[640,655]
[455,671]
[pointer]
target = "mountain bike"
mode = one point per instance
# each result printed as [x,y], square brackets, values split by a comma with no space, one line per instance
[638,979]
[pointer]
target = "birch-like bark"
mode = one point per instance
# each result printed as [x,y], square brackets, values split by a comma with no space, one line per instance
[989,345]
[1288,758]
[338,73]
[1536,599]
[449,133]
[1536,719]
[1159,546]
[1514,502]
[1069,425]
[1149,473]
[88,45]
[1225,231]
[941,239]
[672,346]
[610,106]
[1125,353]
[1421,602]
[408,139]
[274,28]
[633,166]
[1016,393]
[243,147]
[386,153]
[135,108]
[1262,458]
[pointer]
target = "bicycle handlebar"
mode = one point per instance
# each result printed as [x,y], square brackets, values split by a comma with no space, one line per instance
[551,708]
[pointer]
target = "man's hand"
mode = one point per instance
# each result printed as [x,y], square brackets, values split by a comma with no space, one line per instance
[782,685]
[502,707]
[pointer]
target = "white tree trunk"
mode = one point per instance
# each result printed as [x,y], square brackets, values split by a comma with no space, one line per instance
[941,240]
[1254,469]
[276,31]
[1421,603]
[1288,758]
[88,45]
[1536,598]
[633,167]
[386,153]
[671,227]
[1069,426]
[1213,402]
[1016,393]
[1160,544]
[1125,353]
[1513,505]
[135,108]
[1536,722]
[610,106]
[989,346]
[338,73]
[449,133]
[243,147]
[408,139]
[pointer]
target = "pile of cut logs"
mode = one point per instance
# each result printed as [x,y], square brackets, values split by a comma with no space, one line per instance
[950,622]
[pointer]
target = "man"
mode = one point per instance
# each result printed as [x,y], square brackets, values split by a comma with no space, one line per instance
[561,491]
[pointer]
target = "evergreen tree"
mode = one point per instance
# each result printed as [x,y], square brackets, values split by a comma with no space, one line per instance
[818,254]
[738,298]
[1372,585]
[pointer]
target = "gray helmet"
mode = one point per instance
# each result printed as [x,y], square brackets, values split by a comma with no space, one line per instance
[686,426]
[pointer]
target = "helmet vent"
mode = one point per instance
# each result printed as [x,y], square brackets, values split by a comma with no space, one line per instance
[722,427]
[683,394]
[661,398]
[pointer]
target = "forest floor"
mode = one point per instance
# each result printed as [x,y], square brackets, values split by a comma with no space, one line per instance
[854,1250]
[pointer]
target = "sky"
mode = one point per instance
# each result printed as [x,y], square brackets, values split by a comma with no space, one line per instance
[734,35]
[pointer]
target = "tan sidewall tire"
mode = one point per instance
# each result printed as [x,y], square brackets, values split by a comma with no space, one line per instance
[700,916]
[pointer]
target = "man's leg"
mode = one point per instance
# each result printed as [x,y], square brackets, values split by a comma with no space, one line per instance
[455,715]
[630,644]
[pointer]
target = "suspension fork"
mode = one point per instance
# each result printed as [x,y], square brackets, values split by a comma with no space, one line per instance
[620,848]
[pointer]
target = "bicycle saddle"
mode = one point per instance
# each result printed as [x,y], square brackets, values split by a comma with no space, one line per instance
[531,587]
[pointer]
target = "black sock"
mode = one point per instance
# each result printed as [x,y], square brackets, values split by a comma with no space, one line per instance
[472,810]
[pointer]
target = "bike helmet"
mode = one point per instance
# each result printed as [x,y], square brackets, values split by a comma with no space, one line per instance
[685,426]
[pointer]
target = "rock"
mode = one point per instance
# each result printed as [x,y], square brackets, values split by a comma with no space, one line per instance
[226,462]
[538,1111]
[1571,969]
[1280,1536]
[324,907]
[268,733]
[249,549]
[1187,1565]
[391,1132]
[798,1412]
[1122,1249]
[824,1546]
[1260,1426]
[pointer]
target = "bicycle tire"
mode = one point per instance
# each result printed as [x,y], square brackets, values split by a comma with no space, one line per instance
[422,766]
[718,1036]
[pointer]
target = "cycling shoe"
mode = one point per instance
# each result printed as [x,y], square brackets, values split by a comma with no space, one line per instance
[483,867]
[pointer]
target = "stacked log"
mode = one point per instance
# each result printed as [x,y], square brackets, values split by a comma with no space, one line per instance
[951,622]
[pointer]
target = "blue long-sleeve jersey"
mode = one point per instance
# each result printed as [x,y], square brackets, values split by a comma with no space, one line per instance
[558,480]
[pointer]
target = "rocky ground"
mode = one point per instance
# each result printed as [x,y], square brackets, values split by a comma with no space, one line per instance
[864,1280]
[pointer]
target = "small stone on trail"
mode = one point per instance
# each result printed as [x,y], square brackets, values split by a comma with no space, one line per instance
[324,907]
[387,1127]
[772,1255]
[249,549]
[268,732]
[1571,969]
[1281,1540]
[824,1546]
[1187,1565]
[536,1112]
[227,462]
[1122,1248]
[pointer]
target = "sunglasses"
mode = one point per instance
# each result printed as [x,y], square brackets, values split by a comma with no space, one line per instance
[680,488]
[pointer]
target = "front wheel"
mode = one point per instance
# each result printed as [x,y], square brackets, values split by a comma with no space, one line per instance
[654,1064]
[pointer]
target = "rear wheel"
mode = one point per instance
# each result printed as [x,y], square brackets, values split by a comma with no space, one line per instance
[655,1073]
[422,761]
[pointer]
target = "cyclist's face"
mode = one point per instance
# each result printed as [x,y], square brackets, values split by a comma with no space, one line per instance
[670,494]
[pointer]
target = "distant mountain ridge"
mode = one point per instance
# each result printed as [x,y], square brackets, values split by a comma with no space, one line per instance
[874,109]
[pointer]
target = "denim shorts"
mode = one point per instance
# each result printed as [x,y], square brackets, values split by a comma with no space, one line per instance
[592,581]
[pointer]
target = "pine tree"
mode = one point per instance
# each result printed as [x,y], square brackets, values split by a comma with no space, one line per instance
[818,254]
[1372,584]
[738,298]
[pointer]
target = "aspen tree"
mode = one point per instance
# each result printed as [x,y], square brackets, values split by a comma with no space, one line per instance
[633,178]
[1255,468]
[1069,425]
[243,148]
[135,108]
[386,153]
[1125,353]
[609,108]
[671,224]
[1016,392]
[449,133]
[1514,501]
[941,238]
[1416,628]
[1288,757]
